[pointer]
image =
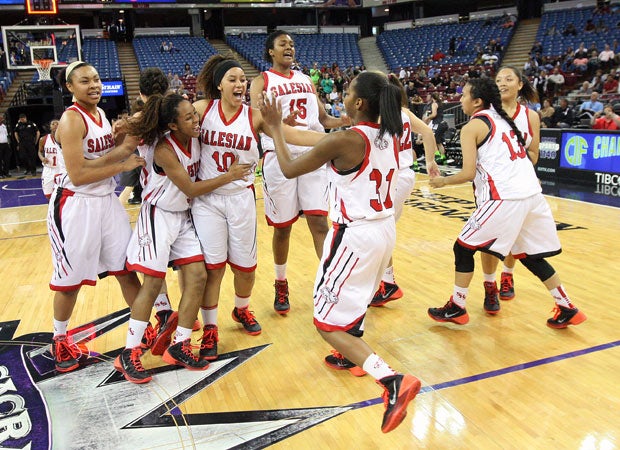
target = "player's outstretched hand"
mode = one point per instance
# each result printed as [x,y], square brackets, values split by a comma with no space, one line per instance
[271,110]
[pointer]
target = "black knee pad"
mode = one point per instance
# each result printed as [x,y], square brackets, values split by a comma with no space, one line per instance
[539,267]
[463,258]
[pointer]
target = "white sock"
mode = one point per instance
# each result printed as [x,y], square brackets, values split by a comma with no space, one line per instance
[162,303]
[459,295]
[209,315]
[377,368]
[60,327]
[280,271]
[560,297]
[135,332]
[507,269]
[388,275]
[242,302]
[489,277]
[182,334]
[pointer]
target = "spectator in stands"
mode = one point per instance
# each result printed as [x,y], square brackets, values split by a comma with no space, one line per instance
[315,74]
[539,82]
[593,62]
[478,61]
[327,85]
[473,72]
[606,119]
[564,115]
[589,27]
[569,30]
[432,71]
[337,107]
[489,59]
[567,64]
[536,48]
[452,46]
[507,21]
[176,84]
[339,82]
[461,46]
[611,85]
[552,31]
[438,55]
[187,70]
[416,105]
[597,81]
[403,75]
[546,114]
[436,79]
[606,57]
[163,47]
[580,63]
[555,81]
[601,27]
[172,48]
[591,107]
[585,90]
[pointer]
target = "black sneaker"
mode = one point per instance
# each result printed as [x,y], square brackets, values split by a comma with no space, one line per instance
[450,312]
[148,338]
[181,354]
[65,354]
[167,322]
[564,317]
[281,303]
[506,287]
[491,301]
[338,362]
[246,318]
[399,391]
[128,363]
[208,343]
[386,293]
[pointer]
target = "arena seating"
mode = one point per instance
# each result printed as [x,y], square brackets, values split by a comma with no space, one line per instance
[413,46]
[102,54]
[191,50]
[328,48]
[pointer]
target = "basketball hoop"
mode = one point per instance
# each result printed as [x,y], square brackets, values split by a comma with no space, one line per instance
[44,67]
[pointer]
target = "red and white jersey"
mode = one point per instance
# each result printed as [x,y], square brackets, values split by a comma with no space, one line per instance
[294,92]
[222,141]
[366,191]
[97,142]
[405,155]
[147,152]
[522,122]
[51,151]
[163,193]
[503,170]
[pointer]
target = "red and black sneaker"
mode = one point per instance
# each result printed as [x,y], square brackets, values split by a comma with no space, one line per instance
[491,301]
[66,354]
[450,312]
[386,293]
[181,354]
[506,287]
[399,391]
[338,362]
[564,317]
[167,322]
[128,363]
[281,303]
[148,338]
[246,318]
[208,343]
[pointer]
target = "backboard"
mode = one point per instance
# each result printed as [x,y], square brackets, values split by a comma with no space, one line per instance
[22,43]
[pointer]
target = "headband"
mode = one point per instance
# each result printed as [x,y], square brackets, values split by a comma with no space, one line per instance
[70,68]
[221,69]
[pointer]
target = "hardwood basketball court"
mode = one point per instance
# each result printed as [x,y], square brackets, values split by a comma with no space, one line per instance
[500,382]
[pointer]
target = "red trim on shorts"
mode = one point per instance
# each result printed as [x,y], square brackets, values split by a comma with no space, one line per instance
[241,268]
[520,256]
[484,245]
[314,212]
[118,272]
[74,287]
[281,224]
[330,327]
[146,270]
[188,260]
[48,196]
[215,266]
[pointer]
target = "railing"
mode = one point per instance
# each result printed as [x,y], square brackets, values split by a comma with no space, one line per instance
[460,118]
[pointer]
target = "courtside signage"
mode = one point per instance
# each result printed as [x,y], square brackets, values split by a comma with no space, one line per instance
[112,88]
[593,151]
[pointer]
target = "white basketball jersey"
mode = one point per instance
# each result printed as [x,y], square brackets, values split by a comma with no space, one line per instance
[222,141]
[147,152]
[294,93]
[365,192]
[522,122]
[98,142]
[51,150]
[405,155]
[503,170]
[163,193]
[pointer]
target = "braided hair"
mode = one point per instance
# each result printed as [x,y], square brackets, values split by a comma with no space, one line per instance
[486,90]
[159,111]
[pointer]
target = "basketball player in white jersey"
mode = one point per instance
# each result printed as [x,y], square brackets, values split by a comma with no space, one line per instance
[511,213]
[49,152]
[83,207]
[285,200]
[362,162]
[388,289]
[225,218]
[512,87]
[164,234]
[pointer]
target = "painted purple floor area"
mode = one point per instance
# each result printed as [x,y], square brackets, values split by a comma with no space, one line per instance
[26,192]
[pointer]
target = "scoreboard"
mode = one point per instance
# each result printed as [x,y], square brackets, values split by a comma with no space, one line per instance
[41,6]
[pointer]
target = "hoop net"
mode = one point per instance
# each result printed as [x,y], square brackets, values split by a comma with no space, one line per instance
[44,67]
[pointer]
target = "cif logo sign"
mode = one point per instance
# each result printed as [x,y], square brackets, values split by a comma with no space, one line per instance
[574,149]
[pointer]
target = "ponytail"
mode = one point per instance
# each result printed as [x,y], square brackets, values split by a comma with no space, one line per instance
[146,126]
[389,110]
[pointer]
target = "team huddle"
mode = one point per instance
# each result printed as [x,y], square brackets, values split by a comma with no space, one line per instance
[197,164]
